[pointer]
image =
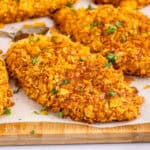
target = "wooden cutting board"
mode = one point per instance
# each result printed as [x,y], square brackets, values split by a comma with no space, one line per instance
[56,133]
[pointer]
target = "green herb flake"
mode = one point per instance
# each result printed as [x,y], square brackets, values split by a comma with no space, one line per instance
[69,4]
[123,38]
[111,58]
[34,60]
[54,91]
[16,91]
[89,7]
[59,114]
[32,132]
[95,24]
[111,29]
[37,39]
[65,82]
[35,112]
[112,93]
[109,64]
[7,111]
[34,39]
[118,23]
[81,59]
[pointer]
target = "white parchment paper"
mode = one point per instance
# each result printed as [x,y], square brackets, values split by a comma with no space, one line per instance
[23,110]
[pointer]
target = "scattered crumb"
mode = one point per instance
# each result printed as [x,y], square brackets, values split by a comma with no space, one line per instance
[44,111]
[128,79]
[35,24]
[16,91]
[147,87]
[1,25]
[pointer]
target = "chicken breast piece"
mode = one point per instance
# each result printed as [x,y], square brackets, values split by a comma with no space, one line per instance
[66,78]
[18,10]
[123,34]
[133,4]
[5,92]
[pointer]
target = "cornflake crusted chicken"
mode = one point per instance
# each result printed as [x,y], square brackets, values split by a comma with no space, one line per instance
[18,10]
[133,4]
[122,37]
[5,92]
[66,78]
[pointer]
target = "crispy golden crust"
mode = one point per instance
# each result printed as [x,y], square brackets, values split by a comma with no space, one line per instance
[18,10]
[65,77]
[5,92]
[125,3]
[125,33]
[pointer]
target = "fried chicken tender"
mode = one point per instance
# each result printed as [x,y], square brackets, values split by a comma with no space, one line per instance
[5,92]
[133,4]
[18,10]
[65,77]
[108,30]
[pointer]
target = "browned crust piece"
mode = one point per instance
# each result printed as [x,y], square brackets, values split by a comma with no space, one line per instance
[133,4]
[5,92]
[124,33]
[65,77]
[18,10]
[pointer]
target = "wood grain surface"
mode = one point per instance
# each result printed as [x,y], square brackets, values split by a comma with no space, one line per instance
[56,133]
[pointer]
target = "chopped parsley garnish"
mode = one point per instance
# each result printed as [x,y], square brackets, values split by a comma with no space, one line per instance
[81,59]
[65,82]
[112,93]
[123,38]
[16,91]
[37,113]
[109,64]
[118,23]
[111,58]
[44,110]
[95,24]
[69,4]
[111,29]
[32,132]
[7,111]
[37,39]
[89,7]
[34,60]
[54,91]
[59,114]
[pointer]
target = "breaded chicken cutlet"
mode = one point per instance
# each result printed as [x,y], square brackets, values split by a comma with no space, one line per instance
[18,10]
[65,77]
[122,36]
[133,4]
[5,92]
